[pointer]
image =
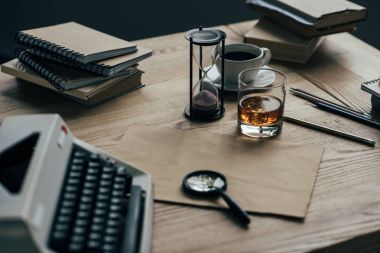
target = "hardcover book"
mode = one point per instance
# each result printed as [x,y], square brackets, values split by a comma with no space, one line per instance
[89,95]
[310,18]
[283,44]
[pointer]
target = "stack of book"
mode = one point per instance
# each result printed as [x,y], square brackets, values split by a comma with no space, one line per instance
[293,29]
[78,62]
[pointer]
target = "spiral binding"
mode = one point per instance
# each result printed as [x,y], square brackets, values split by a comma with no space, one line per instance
[97,68]
[34,42]
[53,78]
[372,81]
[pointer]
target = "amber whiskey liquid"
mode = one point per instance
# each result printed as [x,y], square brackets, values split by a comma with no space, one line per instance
[260,110]
[261,115]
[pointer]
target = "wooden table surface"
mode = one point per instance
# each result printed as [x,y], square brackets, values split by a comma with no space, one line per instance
[345,204]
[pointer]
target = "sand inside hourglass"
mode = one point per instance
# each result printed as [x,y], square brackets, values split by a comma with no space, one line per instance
[206,101]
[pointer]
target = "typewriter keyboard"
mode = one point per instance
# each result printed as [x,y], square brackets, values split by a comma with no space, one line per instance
[99,209]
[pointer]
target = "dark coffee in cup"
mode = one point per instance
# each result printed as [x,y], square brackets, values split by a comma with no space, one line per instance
[239,56]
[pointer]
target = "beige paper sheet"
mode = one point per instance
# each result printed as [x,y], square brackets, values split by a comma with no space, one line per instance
[263,176]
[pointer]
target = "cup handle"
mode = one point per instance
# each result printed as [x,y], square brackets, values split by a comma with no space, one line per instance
[267,56]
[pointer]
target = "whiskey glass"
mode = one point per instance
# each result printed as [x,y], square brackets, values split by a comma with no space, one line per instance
[261,100]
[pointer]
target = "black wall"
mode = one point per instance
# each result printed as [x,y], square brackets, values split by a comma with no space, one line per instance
[369,29]
[132,20]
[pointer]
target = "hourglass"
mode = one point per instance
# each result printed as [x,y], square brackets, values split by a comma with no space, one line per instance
[206,101]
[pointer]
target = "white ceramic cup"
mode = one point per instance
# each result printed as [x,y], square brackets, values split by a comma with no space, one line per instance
[232,68]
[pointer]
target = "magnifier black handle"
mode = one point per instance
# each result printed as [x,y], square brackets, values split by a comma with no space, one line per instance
[235,208]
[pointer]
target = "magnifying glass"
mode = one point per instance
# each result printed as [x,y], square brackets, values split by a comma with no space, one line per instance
[206,184]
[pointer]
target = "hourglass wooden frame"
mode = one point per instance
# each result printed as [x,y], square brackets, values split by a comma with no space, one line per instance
[205,37]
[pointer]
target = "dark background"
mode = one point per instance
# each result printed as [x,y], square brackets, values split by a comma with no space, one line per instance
[138,19]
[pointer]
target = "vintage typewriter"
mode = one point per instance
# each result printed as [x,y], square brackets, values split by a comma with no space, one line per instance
[59,194]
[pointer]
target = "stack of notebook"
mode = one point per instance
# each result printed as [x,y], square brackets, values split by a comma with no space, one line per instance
[78,62]
[293,29]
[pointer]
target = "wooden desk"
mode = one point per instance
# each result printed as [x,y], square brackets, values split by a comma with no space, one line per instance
[346,200]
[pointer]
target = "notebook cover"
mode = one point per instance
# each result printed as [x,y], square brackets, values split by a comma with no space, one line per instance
[84,41]
[18,70]
[64,77]
[325,13]
[310,32]
[283,44]
[107,67]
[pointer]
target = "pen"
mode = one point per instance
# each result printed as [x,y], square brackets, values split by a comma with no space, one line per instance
[336,108]
[331,131]
[360,118]
[314,99]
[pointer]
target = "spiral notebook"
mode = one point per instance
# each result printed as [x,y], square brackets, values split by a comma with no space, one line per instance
[89,96]
[373,88]
[109,67]
[75,42]
[64,77]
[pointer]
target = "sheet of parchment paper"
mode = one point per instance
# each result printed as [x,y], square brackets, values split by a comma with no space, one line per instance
[264,176]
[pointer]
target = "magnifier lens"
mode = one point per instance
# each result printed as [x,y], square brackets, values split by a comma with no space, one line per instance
[204,182]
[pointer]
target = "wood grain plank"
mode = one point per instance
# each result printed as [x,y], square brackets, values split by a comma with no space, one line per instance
[335,215]
[346,199]
[346,72]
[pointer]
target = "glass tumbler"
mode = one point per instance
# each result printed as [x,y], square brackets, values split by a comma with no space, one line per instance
[261,100]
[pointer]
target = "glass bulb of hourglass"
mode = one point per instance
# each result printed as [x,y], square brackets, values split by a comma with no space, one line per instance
[203,57]
[206,98]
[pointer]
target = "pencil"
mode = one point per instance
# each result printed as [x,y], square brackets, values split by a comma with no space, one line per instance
[336,108]
[359,118]
[331,131]
[315,99]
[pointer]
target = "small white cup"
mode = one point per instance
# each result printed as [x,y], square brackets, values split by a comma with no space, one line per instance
[232,68]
